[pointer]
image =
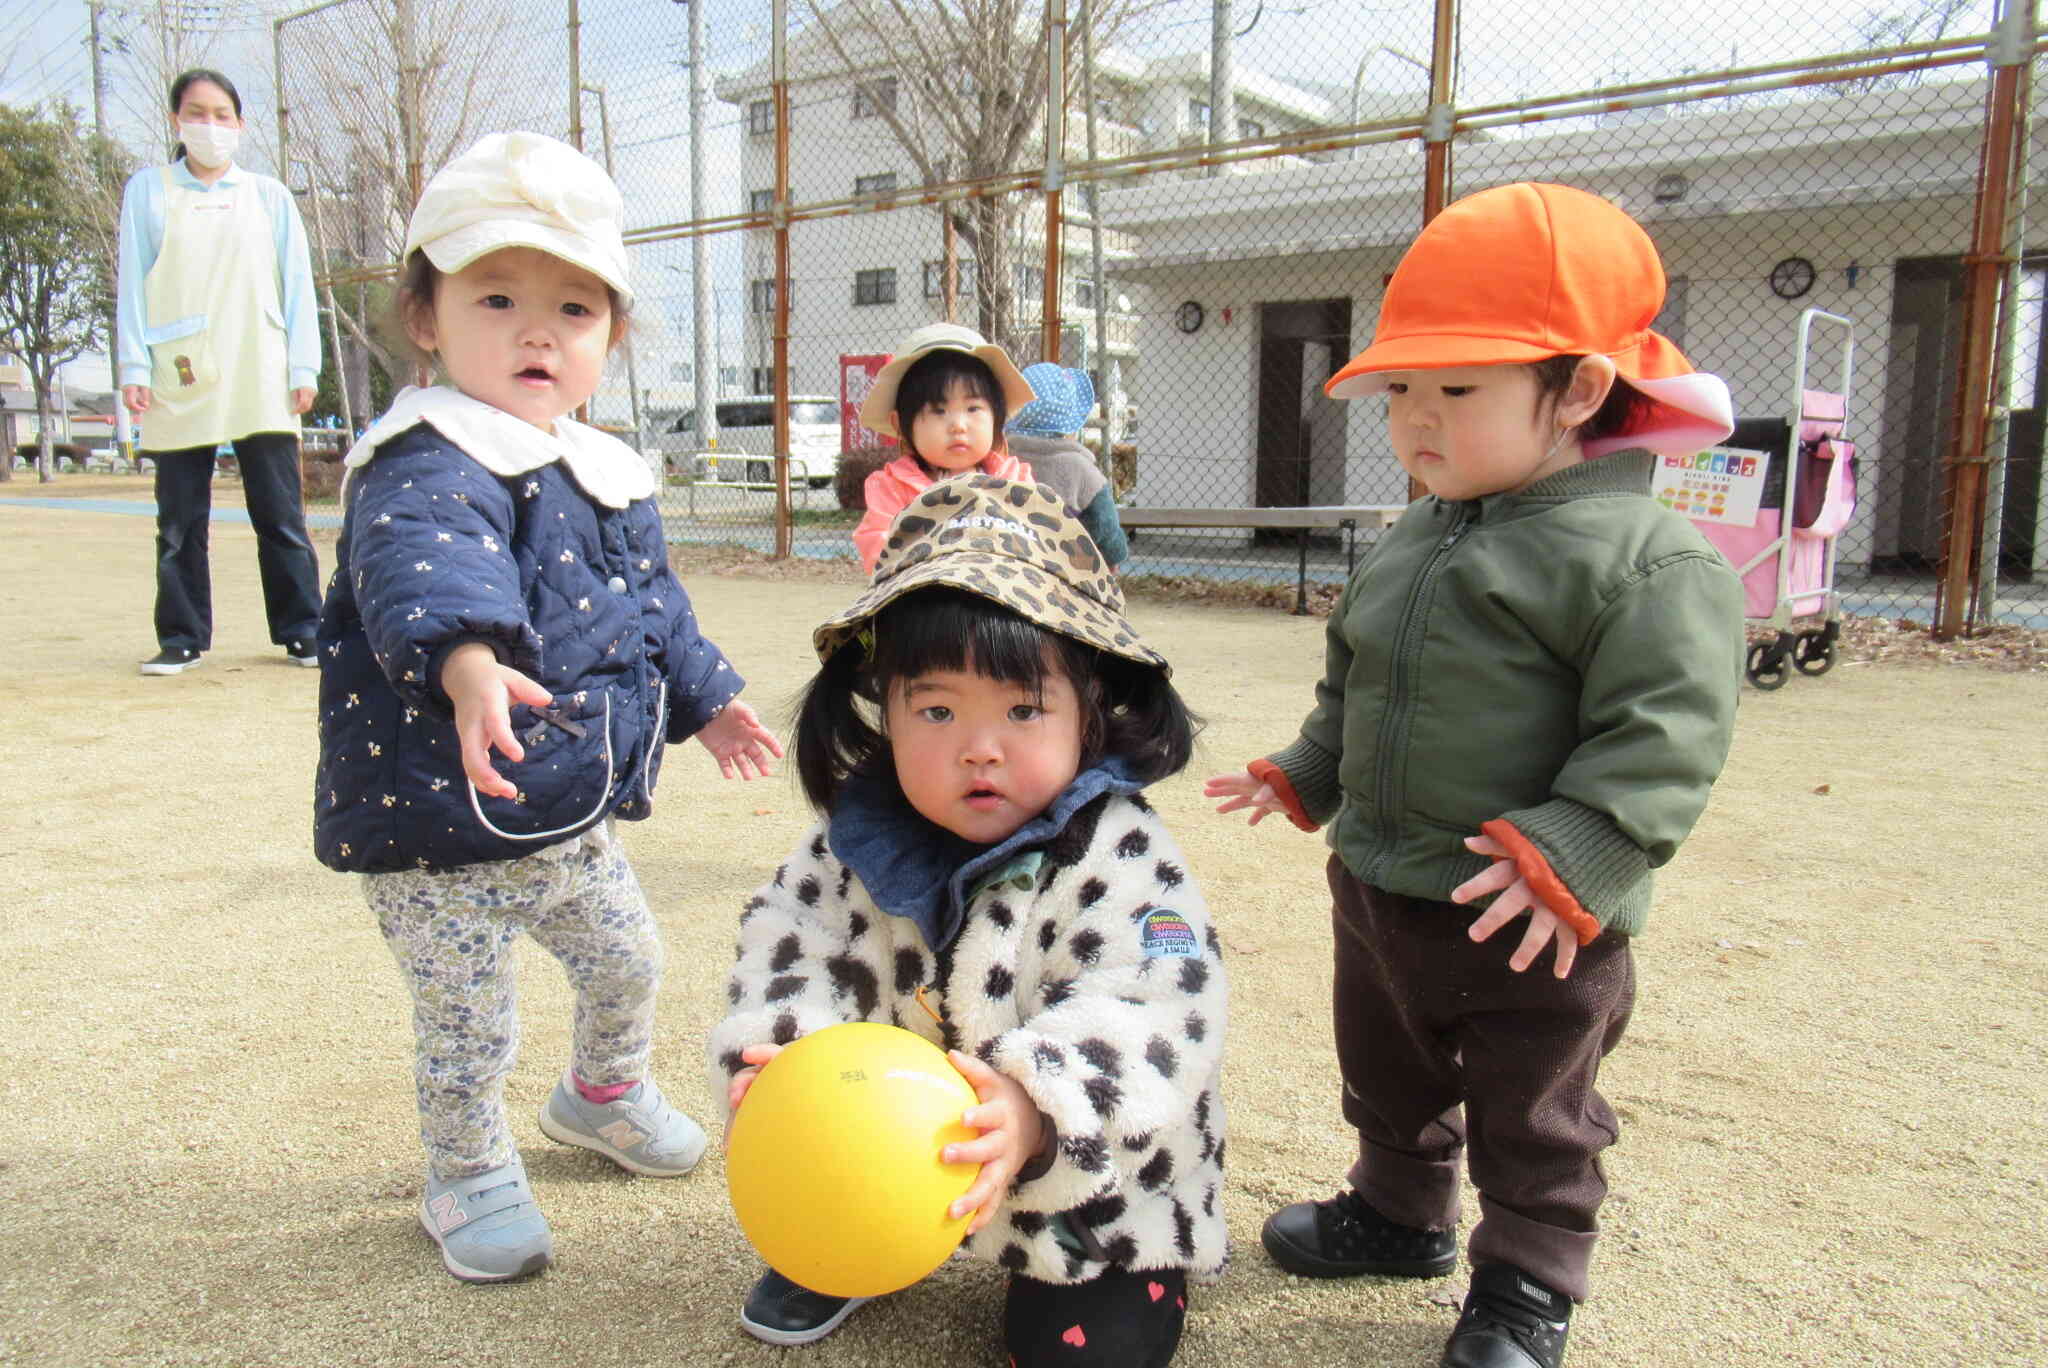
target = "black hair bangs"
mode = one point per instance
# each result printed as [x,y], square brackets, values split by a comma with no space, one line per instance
[952,629]
[932,377]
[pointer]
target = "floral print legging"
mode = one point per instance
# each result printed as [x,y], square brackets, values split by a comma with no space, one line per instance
[451,932]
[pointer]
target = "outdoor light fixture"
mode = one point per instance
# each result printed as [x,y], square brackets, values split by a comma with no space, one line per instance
[1670,188]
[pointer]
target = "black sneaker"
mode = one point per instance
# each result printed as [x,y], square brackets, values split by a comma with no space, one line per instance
[300,651]
[1344,1237]
[780,1312]
[172,660]
[1510,1321]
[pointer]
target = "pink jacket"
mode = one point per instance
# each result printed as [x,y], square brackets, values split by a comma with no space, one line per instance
[891,489]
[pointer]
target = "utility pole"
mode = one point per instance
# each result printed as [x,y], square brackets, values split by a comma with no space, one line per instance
[703,361]
[122,434]
[1101,356]
[1222,80]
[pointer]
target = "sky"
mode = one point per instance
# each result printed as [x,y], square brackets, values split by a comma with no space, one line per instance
[637,50]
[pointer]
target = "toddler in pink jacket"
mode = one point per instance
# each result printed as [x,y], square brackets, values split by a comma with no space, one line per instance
[945,395]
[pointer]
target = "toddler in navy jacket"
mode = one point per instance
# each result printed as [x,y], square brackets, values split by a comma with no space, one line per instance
[502,584]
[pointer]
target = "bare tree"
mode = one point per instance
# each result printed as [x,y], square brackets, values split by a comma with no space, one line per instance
[961,85]
[55,286]
[355,125]
[1920,21]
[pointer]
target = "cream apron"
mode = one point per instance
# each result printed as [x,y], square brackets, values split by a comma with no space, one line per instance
[218,367]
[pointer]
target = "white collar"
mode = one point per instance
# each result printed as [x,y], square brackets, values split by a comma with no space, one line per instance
[608,470]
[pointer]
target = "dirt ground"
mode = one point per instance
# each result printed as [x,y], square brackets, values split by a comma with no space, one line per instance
[1832,1093]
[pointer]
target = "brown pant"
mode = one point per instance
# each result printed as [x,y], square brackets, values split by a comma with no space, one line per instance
[1443,1048]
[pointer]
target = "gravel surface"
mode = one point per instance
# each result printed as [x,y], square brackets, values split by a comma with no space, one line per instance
[1831,1094]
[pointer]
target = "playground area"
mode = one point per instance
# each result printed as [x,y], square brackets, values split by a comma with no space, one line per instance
[1831,1093]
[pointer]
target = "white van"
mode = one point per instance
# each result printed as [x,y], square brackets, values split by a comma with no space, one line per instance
[746,438]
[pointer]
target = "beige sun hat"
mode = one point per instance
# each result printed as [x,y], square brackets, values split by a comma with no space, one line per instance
[523,190]
[1010,542]
[878,410]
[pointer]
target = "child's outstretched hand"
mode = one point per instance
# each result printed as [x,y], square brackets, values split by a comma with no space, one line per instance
[756,1056]
[1516,897]
[1011,1132]
[1245,790]
[740,742]
[482,693]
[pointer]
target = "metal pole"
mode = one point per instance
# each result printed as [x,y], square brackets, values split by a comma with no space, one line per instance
[1437,123]
[703,359]
[1222,79]
[1055,171]
[604,119]
[780,65]
[575,76]
[348,417]
[1982,270]
[1094,191]
[1998,436]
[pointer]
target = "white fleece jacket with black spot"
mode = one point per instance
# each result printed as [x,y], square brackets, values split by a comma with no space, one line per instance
[1101,990]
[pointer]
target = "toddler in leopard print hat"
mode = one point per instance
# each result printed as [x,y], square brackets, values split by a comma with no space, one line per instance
[986,872]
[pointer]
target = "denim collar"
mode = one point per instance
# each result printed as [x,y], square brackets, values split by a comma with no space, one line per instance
[914,868]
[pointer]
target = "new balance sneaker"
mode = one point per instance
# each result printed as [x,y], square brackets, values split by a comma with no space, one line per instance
[780,1312]
[172,660]
[640,1131]
[301,651]
[1344,1237]
[1510,1321]
[488,1226]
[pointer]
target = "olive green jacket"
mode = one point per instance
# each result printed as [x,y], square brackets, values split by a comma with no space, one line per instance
[1565,658]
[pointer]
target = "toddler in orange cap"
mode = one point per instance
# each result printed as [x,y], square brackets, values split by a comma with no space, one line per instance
[1529,690]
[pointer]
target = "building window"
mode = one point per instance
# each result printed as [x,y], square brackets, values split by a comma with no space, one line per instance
[874,98]
[760,116]
[875,287]
[935,278]
[760,201]
[1028,281]
[882,183]
[1250,128]
[1084,292]
[764,380]
[761,295]
[1198,115]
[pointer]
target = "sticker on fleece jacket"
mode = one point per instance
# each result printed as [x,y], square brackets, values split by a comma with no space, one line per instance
[1165,933]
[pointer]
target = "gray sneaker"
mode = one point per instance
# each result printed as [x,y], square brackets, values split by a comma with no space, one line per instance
[640,1131]
[488,1226]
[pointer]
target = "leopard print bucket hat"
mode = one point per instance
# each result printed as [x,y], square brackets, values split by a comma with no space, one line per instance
[1012,543]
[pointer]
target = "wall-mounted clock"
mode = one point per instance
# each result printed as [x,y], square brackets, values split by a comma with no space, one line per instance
[1188,317]
[1791,277]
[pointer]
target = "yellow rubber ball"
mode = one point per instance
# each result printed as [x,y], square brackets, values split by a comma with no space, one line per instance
[832,1159]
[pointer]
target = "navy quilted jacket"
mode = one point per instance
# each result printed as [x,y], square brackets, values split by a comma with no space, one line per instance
[435,551]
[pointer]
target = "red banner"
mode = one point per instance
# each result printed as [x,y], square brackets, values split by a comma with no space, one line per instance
[856,374]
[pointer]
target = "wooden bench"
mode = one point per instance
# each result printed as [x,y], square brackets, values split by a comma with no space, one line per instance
[1301,520]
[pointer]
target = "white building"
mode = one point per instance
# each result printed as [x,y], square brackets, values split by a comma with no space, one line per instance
[863,280]
[1861,203]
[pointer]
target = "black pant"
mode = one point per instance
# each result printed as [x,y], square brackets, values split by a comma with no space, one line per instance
[1447,1052]
[1123,1318]
[184,503]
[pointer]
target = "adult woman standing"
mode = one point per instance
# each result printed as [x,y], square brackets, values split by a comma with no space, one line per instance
[219,343]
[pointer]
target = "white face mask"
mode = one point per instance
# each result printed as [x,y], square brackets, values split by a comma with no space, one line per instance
[209,145]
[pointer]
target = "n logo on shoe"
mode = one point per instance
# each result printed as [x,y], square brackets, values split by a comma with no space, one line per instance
[447,1212]
[621,1134]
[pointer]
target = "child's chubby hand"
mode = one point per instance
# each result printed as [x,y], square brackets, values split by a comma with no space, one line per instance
[1516,897]
[1011,1132]
[755,1056]
[482,693]
[1245,790]
[740,742]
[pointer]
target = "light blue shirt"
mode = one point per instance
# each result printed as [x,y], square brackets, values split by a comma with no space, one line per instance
[142,238]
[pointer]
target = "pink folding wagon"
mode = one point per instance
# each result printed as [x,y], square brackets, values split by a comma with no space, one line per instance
[1788,564]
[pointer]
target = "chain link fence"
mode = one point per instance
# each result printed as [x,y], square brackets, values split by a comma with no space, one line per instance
[1235,184]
